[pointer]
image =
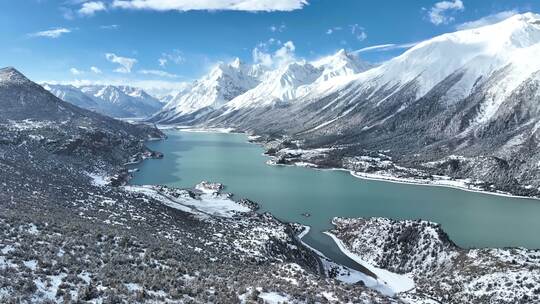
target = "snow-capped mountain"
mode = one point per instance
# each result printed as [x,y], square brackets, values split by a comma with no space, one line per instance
[73,95]
[115,101]
[282,85]
[295,80]
[224,82]
[340,64]
[255,87]
[165,99]
[507,49]
[493,61]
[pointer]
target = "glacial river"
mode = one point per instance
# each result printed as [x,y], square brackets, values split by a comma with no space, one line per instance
[471,219]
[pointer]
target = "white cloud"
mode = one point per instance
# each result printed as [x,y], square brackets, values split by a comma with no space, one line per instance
[158,73]
[126,64]
[109,27]
[52,33]
[334,29]
[487,20]
[176,56]
[90,8]
[74,71]
[67,13]
[189,5]
[386,47]
[278,28]
[284,54]
[95,70]
[261,57]
[438,13]
[359,32]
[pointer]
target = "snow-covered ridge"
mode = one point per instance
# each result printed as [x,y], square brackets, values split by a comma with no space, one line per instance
[295,80]
[237,85]
[476,53]
[223,83]
[117,101]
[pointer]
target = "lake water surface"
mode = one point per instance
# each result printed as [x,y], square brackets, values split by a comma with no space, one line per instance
[471,219]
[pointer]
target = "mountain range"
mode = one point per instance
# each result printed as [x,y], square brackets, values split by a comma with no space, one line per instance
[114,101]
[237,85]
[473,93]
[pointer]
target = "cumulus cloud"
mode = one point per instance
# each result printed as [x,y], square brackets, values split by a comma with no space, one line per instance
[438,14]
[90,8]
[95,70]
[487,20]
[158,73]
[189,5]
[52,33]
[75,71]
[282,55]
[359,32]
[126,64]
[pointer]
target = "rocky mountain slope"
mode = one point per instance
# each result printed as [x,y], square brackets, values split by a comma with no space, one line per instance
[71,232]
[115,101]
[443,272]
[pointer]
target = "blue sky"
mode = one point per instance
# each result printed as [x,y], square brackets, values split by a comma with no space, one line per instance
[162,43]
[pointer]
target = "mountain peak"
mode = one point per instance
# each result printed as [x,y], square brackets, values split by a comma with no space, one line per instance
[12,75]
[341,53]
[529,17]
[236,63]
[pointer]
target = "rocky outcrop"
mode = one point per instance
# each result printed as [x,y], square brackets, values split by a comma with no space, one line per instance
[442,271]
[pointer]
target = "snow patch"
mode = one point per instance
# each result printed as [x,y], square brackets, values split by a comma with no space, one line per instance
[397,282]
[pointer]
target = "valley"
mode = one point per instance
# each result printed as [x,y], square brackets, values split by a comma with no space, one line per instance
[461,105]
[317,179]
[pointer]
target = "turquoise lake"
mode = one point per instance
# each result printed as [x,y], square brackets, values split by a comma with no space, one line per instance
[471,219]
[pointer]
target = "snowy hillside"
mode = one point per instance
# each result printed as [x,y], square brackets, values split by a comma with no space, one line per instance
[476,54]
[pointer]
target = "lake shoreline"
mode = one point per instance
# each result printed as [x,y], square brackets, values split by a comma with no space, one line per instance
[360,175]
[441,181]
[398,180]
